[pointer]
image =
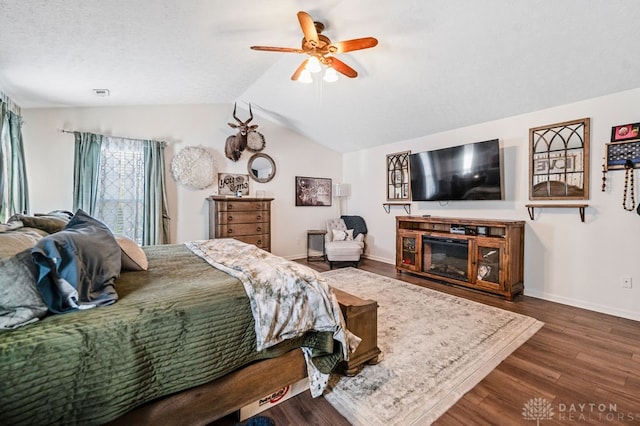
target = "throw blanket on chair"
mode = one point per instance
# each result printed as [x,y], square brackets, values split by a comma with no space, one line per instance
[287,299]
[356,223]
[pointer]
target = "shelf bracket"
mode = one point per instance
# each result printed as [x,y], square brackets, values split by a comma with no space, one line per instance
[531,211]
[387,207]
[580,207]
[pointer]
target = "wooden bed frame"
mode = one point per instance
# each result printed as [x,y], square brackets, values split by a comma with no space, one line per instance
[206,403]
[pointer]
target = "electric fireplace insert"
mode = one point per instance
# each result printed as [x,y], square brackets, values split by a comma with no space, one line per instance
[447,257]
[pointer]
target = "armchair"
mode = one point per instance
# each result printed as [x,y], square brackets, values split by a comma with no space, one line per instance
[344,240]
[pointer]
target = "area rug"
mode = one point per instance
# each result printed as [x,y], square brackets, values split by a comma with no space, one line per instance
[435,348]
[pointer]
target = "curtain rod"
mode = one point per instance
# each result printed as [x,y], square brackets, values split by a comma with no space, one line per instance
[12,106]
[111,136]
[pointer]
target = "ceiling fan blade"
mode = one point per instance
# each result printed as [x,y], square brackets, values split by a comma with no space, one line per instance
[308,28]
[341,67]
[298,71]
[355,44]
[277,49]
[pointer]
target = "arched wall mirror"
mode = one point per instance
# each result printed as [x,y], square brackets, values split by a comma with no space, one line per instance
[261,167]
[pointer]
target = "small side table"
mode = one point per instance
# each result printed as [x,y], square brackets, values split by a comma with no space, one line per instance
[311,235]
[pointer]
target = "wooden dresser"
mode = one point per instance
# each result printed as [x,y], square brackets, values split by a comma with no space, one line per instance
[245,219]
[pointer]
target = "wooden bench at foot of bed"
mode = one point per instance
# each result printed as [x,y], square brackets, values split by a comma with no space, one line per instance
[361,318]
[211,401]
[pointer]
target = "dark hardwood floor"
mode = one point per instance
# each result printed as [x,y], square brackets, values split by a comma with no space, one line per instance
[585,364]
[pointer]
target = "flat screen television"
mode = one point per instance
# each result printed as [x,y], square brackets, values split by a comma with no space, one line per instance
[466,172]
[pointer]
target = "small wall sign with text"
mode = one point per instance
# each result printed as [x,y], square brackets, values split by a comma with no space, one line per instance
[230,184]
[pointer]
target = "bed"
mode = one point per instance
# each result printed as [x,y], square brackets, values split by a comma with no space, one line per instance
[179,343]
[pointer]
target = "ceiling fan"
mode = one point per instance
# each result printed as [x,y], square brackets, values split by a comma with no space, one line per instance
[320,48]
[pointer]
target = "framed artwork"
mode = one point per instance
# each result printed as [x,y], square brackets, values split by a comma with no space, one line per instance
[619,154]
[230,184]
[398,177]
[559,161]
[312,191]
[625,132]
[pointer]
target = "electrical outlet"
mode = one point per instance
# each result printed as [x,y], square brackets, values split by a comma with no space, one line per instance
[625,282]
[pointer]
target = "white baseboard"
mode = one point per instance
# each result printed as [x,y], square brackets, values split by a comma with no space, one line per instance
[296,256]
[623,313]
[380,259]
[596,307]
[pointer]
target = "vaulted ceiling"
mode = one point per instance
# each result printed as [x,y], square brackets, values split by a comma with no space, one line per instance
[439,64]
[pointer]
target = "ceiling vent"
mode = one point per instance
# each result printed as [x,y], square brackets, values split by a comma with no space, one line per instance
[103,93]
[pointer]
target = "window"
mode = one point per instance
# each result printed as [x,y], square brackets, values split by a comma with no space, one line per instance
[121,182]
[120,193]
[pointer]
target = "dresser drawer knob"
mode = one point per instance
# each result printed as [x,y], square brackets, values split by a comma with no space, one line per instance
[230,207]
[230,231]
[230,218]
[259,229]
[259,242]
[259,217]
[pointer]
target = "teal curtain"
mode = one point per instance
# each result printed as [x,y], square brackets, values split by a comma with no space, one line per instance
[14,190]
[156,213]
[86,171]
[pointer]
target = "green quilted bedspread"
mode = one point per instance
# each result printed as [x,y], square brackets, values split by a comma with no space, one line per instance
[178,325]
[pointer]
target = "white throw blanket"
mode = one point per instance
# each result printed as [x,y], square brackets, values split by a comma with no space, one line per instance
[287,299]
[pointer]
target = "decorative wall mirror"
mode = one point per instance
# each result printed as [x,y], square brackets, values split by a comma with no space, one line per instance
[261,167]
[398,176]
[559,161]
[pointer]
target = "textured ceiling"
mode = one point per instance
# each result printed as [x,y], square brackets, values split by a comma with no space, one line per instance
[439,64]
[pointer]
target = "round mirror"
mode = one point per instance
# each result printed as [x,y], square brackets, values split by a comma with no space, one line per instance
[261,167]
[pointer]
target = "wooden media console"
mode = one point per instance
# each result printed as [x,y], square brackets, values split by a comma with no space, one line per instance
[482,254]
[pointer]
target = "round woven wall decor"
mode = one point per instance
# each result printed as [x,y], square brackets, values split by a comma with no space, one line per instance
[194,167]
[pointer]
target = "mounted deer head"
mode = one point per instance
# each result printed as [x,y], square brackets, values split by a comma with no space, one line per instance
[247,137]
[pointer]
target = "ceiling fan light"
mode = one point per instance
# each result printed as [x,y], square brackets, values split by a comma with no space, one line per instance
[305,77]
[313,65]
[330,75]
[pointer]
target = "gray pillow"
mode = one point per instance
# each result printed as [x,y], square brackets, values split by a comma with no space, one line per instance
[20,301]
[49,223]
[14,241]
[78,266]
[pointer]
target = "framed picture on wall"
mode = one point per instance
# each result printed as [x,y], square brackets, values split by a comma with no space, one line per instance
[559,161]
[625,132]
[311,191]
[619,154]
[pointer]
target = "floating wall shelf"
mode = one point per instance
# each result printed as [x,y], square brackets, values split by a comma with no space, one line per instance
[580,207]
[387,206]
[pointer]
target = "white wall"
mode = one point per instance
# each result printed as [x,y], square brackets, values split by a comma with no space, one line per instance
[49,159]
[565,260]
